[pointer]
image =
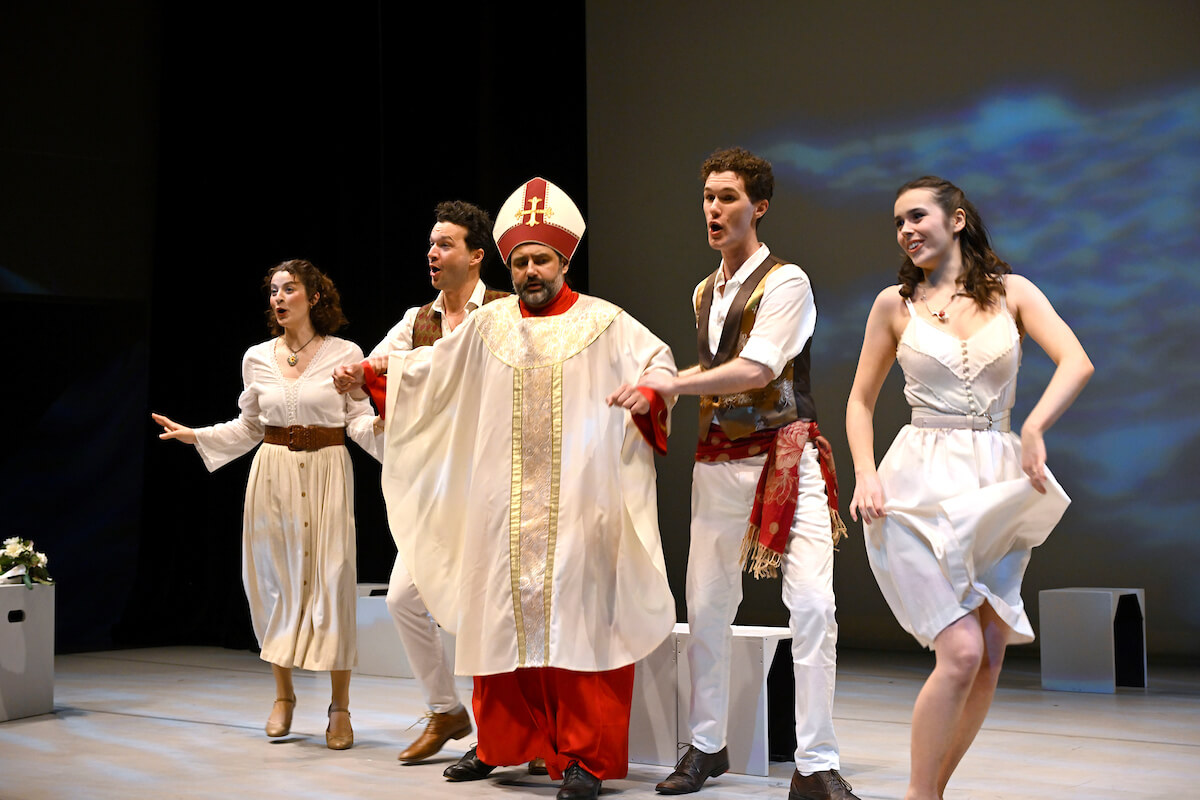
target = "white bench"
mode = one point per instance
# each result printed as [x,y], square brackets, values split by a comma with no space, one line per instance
[379,649]
[1093,639]
[662,699]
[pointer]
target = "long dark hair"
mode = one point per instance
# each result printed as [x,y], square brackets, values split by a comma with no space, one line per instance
[326,314]
[982,268]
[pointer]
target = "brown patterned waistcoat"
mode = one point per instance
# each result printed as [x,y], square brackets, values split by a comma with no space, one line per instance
[427,327]
[785,399]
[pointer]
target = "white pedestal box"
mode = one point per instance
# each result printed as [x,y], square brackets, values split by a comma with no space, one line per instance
[753,650]
[26,650]
[654,716]
[1093,639]
[664,678]
[379,649]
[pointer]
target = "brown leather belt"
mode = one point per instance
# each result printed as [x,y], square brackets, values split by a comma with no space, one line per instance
[304,437]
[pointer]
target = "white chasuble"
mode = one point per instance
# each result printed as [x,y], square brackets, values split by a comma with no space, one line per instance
[521,503]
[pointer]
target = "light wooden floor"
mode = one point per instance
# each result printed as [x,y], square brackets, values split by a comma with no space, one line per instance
[187,723]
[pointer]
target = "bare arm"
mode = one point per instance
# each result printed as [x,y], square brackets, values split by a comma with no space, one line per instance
[784,322]
[737,375]
[874,361]
[1073,369]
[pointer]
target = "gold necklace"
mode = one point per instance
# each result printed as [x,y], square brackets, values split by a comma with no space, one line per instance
[940,316]
[295,354]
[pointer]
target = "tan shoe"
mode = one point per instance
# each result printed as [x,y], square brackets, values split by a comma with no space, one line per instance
[280,721]
[440,729]
[338,741]
[538,767]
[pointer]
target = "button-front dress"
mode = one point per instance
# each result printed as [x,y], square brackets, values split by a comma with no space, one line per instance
[962,517]
[298,543]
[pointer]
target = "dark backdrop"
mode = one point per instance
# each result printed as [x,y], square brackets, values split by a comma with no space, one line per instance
[156,159]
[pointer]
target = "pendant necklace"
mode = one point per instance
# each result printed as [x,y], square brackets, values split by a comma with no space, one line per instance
[941,315]
[295,354]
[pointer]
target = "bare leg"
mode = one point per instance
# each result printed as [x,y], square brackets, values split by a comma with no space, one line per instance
[940,704]
[995,640]
[339,702]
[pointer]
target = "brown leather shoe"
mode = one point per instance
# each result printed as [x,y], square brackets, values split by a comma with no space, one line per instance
[578,784]
[693,770]
[538,767]
[827,785]
[439,729]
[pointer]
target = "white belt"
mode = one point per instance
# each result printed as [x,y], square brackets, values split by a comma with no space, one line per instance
[972,422]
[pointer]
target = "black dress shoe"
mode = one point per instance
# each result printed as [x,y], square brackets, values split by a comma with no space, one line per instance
[578,784]
[694,769]
[826,785]
[468,768]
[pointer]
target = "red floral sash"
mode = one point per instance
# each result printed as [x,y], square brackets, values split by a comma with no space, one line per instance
[775,498]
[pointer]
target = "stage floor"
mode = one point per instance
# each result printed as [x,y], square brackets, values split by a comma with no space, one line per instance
[186,722]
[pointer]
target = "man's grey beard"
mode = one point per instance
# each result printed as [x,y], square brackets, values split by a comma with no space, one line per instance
[539,297]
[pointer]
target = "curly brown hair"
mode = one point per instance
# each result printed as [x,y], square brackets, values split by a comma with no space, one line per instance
[754,171]
[326,314]
[982,268]
[477,222]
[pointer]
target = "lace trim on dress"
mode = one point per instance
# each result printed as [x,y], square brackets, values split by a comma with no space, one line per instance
[291,386]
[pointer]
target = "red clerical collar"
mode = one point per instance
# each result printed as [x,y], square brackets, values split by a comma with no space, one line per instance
[565,298]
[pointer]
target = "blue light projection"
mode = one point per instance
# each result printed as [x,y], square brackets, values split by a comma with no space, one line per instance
[1100,207]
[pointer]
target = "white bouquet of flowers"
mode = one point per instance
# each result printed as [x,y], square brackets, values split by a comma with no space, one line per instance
[20,563]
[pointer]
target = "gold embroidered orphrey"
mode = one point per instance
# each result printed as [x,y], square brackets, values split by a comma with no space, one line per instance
[535,348]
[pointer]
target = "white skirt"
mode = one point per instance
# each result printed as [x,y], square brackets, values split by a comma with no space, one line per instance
[298,560]
[961,521]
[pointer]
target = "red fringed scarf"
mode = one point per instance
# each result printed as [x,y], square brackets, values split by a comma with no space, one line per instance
[775,497]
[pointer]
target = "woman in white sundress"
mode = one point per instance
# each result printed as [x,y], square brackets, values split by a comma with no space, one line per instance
[959,501]
[298,543]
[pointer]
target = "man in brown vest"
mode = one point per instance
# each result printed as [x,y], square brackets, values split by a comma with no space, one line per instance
[458,245]
[758,497]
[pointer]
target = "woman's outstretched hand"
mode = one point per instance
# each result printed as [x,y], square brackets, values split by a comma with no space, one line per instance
[173,430]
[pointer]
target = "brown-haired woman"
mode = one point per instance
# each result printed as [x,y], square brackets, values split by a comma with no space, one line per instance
[298,544]
[959,501]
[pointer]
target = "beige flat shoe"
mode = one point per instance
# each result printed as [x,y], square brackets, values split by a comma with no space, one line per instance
[338,741]
[280,721]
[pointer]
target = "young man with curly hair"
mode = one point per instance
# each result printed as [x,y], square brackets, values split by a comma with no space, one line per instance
[758,436]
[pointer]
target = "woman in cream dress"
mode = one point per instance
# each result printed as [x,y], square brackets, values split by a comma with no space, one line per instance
[959,501]
[298,558]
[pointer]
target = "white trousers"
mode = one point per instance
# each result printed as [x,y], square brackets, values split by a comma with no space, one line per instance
[422,641]
[722,496]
